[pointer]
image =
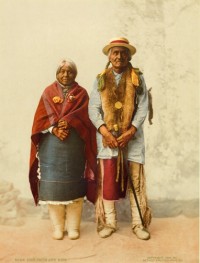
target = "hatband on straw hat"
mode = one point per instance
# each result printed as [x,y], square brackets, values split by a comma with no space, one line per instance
[119,42]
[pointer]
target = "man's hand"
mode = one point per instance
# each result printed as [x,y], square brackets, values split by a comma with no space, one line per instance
[61,134]
[126,137]
[108,139]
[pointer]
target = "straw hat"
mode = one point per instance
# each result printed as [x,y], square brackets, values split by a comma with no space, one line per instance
[119,42]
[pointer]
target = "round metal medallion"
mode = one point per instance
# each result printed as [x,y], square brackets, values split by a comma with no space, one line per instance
[118,105]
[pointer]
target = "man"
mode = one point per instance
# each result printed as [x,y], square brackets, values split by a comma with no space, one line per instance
[118,107]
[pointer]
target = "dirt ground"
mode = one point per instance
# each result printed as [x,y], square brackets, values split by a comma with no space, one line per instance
[172,240]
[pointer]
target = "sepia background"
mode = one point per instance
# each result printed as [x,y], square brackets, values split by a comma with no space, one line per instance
[35,35]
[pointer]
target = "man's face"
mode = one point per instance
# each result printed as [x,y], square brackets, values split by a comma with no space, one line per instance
[66,76]
[119,58]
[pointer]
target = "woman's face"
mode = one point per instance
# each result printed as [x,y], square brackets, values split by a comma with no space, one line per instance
[66,76]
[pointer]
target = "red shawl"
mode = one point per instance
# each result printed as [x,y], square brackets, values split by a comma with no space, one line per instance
[74,109]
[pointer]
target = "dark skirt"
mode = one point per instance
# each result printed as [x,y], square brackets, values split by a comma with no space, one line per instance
[62,166]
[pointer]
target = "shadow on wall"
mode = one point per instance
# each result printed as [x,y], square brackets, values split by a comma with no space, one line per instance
[14,210]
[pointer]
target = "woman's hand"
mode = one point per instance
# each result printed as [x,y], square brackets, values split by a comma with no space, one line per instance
[60,133]
[63,124]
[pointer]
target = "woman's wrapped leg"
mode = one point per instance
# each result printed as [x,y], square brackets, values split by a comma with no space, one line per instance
[57,217]
[74,212]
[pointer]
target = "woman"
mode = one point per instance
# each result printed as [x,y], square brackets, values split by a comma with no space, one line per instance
[63,151]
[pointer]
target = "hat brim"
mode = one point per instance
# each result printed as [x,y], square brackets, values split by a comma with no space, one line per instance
[131,48]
